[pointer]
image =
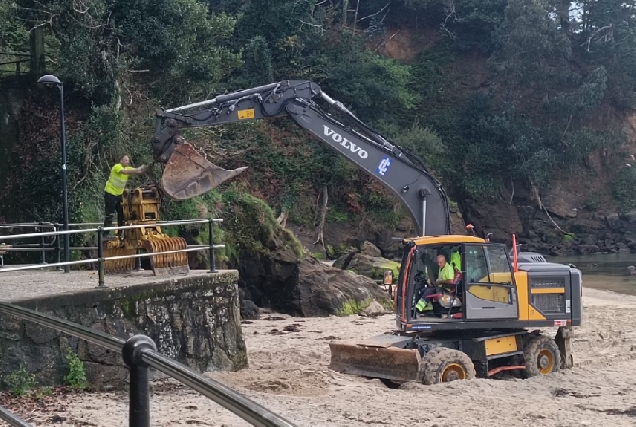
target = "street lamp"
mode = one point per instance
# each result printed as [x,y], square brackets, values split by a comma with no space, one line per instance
[50,80]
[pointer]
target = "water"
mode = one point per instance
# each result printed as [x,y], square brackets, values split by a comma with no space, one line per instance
[603,271]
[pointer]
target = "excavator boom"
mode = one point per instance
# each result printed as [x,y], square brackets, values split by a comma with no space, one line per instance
[188,174]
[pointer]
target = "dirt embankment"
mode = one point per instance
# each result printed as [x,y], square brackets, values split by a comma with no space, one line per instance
[288,374]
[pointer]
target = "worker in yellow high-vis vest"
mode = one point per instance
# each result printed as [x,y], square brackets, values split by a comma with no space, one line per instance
[115,187]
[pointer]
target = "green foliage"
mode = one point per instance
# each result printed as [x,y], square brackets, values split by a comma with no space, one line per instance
[623,188]
[373,85]
[608,35]
[250,226]
[350,307]
[14,37]
[530,51]
[529,116]
[76,376]
[569,237]
[20,382]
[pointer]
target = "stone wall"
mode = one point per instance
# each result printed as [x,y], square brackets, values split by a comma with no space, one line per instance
[194,320]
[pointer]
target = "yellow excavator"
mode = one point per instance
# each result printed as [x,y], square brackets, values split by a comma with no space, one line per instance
[484,321]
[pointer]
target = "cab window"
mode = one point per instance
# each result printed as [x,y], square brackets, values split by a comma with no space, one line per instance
[488,263]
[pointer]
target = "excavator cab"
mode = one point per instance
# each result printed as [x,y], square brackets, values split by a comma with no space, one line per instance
[484,285]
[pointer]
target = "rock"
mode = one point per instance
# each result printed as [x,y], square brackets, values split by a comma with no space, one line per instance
[560,200]
[275,273]
[629,216]
[613,221]
[631,270]
[343,261]
[321,290]
[370,249]
[590,240]
[501,219]
[374,309]
[588,249]
[249,310]
[622,248]
[373,267]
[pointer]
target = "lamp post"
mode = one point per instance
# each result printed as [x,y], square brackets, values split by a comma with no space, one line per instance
[51,80]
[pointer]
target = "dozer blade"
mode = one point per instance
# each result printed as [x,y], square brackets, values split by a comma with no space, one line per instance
[188,174]
[164,264]
[387,362]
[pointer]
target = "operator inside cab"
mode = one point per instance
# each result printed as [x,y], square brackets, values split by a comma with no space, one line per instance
[448,279]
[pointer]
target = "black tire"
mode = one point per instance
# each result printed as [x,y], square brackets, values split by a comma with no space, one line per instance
[542,356]
[391,384]
[442,365]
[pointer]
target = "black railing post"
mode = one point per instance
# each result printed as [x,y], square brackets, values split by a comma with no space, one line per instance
[58,247]
[42,246]
[211,249]
[139,415]
[100,258]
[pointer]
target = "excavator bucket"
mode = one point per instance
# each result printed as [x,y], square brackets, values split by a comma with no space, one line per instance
[122,265]
[375,361]
[165,264]
[188,174]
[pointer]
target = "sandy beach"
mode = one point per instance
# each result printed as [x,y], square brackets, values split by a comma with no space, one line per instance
[288,374]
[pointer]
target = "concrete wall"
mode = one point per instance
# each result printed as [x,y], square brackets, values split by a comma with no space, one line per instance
[194,320]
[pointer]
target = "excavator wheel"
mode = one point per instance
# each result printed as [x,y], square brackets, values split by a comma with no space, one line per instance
[118,265]
[163,264]
[442,365]
[542,356]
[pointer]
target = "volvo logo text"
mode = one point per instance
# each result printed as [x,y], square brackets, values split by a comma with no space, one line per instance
[345,142]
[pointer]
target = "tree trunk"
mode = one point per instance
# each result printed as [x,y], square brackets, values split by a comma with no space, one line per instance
[355,17]
[323,218]
[345,6]
[564,14]
[282,218]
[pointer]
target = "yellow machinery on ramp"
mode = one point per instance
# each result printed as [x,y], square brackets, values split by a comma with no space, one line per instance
[141,207]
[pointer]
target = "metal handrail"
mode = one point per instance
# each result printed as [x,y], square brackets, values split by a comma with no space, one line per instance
[100,260]
[92,260]
[123,227]
[139,353]
[44,246]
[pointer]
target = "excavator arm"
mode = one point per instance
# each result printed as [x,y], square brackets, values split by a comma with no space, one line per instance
[187,174]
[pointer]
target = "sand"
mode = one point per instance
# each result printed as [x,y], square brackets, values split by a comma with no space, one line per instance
[288,374]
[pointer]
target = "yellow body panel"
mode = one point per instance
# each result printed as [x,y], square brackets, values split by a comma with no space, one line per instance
[489,292]
[501,345]
[246,114]
[526,311]
[440,240]
[548,291]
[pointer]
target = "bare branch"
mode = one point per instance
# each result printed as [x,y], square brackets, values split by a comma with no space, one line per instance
[322,29]
[607,36]
[376,13]
[385,41]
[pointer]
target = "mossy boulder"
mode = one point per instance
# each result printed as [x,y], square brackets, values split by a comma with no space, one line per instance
[274,271]
[373,267]
[367,261]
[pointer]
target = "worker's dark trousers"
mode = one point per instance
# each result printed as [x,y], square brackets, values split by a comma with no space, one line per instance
[112,204]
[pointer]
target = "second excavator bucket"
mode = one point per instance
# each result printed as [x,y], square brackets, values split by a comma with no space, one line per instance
[172,263]
[372,361]
[187,174]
